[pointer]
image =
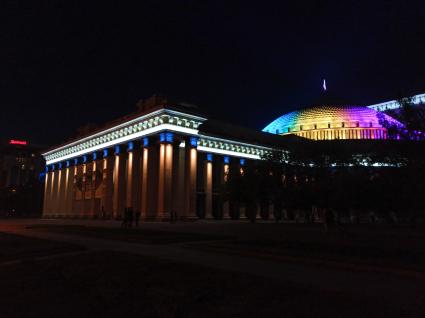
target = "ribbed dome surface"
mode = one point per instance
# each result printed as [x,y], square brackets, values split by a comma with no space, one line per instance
[328,117]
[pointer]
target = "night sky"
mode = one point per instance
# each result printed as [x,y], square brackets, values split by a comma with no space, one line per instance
[64,64]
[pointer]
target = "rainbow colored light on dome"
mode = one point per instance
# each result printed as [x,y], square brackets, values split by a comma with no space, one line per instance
[335,119]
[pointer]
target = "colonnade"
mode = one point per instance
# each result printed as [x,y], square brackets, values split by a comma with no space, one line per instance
[343,133]
[160,176]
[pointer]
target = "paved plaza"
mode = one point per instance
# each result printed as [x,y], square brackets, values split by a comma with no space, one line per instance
[383,264]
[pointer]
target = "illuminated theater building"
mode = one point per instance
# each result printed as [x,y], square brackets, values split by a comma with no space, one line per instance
[333,122]
[164,159]
[168,159]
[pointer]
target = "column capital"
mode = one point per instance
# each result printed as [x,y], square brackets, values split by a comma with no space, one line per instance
[193,142]
[166,137]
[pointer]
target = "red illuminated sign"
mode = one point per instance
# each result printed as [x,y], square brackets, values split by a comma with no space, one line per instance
[18,142]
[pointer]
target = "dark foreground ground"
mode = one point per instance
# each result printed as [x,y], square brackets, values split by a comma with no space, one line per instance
[94,268]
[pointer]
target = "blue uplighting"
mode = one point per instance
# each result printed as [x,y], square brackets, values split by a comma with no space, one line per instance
[105,153]
[41,176]
[226,160]
[117,150]
[242,162]
[145,142]
[84,159]
[68,163]
[76,161]
[130,146]
[169,137]
[94,156]
[193,141]
[209,157]
[166,137]
[60,165]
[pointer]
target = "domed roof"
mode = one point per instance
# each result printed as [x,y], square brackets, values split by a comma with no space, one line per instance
[329,117]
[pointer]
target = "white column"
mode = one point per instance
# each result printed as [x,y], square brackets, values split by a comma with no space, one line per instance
[165,177]
[83,208]
[178,178]
[69,181]
[54,193]
[47,193]
[144,185]
[226,170]
[190,180]
[107,185]
[93,188]
[61,191]
[208,182]
[119,186]
[161,188]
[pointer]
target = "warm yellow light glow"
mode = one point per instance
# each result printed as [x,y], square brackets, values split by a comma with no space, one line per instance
[52,182]
[144,181]
[59,182]
[129,190]
[226,172]
[209,170]
[208,190]
[193,155]
[161,178]
[130,163]
[115,174]
[169,159]
[66,184]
